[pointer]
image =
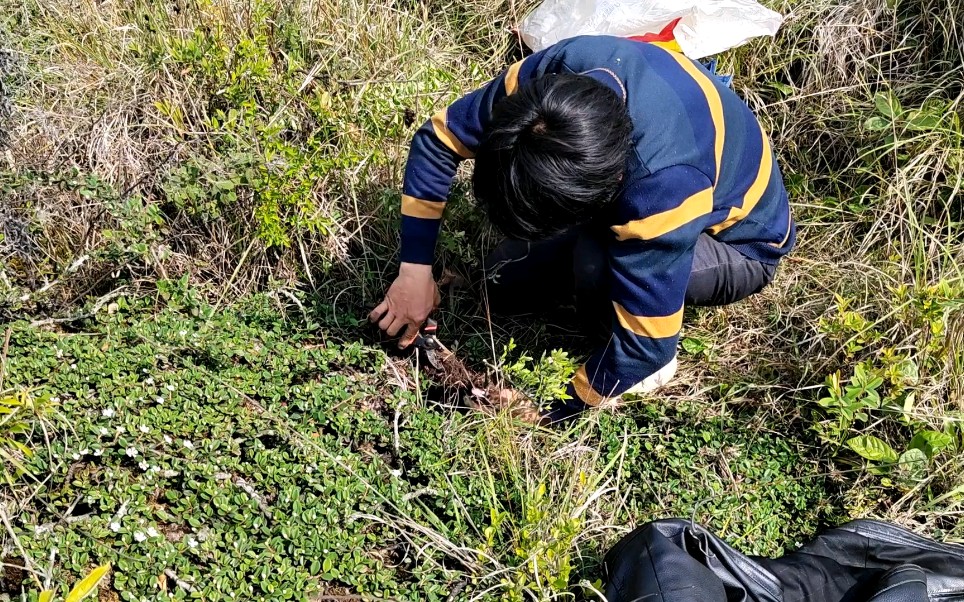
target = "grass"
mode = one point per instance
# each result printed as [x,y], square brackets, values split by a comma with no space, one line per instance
[199,200]
[247,454]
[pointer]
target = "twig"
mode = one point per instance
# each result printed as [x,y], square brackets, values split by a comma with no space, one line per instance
[65,519]
[398,414]
[454,594]
[234,274]
[420,492]
[121,512]
[178,581]
[27,564]
[73,267]
[70,520]
[3,357]
[340,598]
[257,497]
[97,307]
[294,300]
[247,488]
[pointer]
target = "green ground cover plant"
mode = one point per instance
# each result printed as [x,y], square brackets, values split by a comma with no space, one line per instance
[198,203]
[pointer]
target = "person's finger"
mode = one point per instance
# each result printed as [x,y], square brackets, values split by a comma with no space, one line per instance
[409,336]
[378,311]
[397,325]
[386,320]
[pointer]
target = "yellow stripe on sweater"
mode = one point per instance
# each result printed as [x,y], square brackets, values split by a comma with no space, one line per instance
[512,78]
[656,225]
[584,390]
[413,207]
[712,99]
[654,327]
[754,193]
[442,131]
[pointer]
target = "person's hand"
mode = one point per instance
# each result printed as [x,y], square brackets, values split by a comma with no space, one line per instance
[408,302]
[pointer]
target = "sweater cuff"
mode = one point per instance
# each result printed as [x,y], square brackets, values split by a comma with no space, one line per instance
[418,239]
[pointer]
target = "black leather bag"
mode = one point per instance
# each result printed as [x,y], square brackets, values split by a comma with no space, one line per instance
[862,561]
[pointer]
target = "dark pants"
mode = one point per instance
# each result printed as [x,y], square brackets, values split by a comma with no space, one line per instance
[572,269]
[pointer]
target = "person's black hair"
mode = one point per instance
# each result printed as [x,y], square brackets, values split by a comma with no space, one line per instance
[553,156]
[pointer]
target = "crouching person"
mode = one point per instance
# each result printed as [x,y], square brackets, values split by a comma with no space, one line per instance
[624,176]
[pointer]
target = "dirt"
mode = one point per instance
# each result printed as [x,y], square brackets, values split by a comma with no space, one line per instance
[460,385]
[106,592]
[12,575]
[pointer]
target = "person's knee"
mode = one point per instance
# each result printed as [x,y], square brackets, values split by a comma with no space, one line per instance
[768,276]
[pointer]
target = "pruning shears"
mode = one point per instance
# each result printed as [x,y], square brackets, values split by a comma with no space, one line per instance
[428,344]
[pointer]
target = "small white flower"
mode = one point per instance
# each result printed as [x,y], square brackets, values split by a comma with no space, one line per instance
[159,399]
[182,333]
[170,387]
[191,542]
[139,537]
[168,440]
[131,452]
[104,431]
[115,526]
[155,468]
[55,399]
[73,366]
[309,470]
[152,532]
[119,429]
[107,412]
[75,456]
[149,381]
[98,452]
[143,465]
[84,451]
[188,444]
[144,428]
[60,353]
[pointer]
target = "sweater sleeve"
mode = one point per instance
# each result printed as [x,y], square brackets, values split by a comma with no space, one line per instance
[651,259]
[449,137]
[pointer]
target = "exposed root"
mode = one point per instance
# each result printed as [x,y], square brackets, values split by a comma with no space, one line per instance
[462,385]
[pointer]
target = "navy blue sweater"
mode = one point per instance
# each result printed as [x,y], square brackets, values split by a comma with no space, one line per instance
[700,162]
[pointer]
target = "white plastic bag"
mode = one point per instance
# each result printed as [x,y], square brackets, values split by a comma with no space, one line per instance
[705,27]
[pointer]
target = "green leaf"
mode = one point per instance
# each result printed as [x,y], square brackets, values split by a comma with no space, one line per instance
[693,346]
[923,121]
[913,464]
[872,448]
[46,596]
[931,442]
[887,104]
[876,124]
[88,585]
[326,565]
[782,88]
